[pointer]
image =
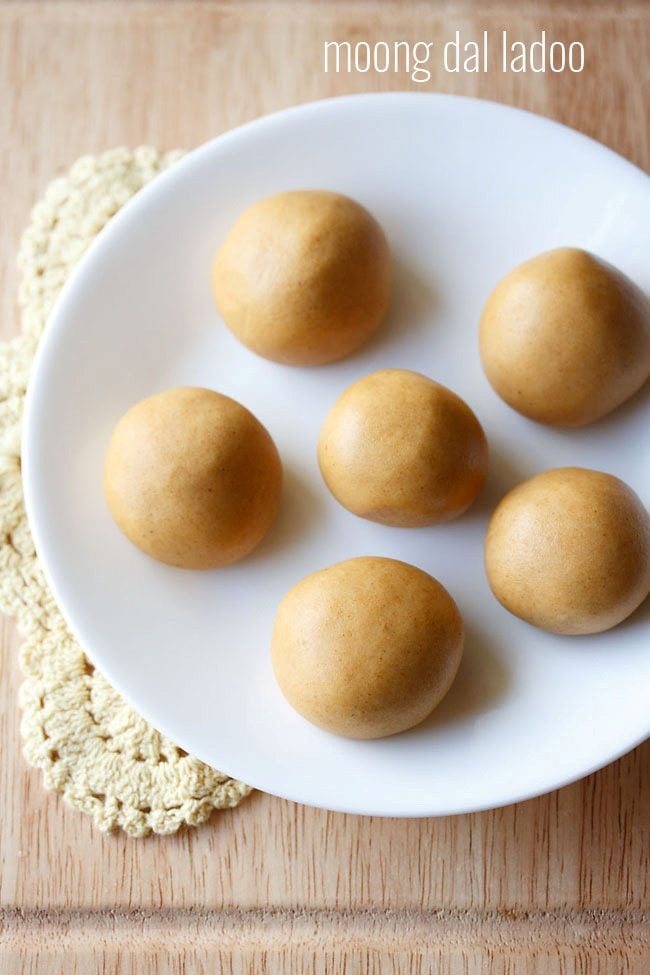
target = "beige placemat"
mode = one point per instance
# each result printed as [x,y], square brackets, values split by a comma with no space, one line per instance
[104,759]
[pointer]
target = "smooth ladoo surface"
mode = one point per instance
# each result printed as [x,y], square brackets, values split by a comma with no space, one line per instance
[192,478]
[367,647]
[569,551]
[402,450]
[303,278]
[565,338]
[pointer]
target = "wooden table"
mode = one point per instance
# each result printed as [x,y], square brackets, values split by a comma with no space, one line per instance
[553,886]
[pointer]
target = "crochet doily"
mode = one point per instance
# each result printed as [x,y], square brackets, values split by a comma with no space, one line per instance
[103,758]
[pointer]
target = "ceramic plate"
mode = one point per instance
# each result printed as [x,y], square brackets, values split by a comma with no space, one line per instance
[465,190]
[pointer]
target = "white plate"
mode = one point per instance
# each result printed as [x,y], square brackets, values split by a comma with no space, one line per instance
[465,190]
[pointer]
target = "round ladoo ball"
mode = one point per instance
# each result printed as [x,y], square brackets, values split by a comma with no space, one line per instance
[192,478]
[303,278]
[565,338]
[569,551]
[400,449]
[367,647]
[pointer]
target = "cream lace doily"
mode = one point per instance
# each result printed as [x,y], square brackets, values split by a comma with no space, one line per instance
[103,758]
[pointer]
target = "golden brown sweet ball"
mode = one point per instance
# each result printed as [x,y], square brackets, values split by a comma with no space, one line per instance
[303,278]
[192,478]
[400,449]
[367,647]
[565,338]
[569,551]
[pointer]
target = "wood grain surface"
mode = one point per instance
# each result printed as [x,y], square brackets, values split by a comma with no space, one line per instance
[553,886]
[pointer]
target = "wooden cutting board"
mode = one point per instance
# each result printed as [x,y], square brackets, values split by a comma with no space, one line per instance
[553,886]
